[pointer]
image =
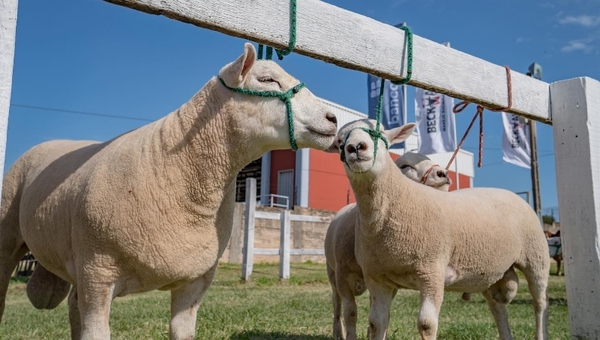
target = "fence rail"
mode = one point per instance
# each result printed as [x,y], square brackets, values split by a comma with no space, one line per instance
[284,251]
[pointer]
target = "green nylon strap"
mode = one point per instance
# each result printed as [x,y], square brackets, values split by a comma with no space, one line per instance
[285,97]
[409,57]
[292,42]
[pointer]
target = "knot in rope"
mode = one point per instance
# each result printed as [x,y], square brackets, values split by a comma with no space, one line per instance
[285,97]
[463,105]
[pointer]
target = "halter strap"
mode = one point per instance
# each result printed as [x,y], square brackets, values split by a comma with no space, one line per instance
[285,97]
[375,135]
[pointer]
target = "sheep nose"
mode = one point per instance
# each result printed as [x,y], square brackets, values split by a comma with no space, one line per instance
[351,148]
[331,117]
[442,173]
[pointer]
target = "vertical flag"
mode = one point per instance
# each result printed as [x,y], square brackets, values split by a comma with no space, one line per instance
[392,112]
[515,141]
[435,122]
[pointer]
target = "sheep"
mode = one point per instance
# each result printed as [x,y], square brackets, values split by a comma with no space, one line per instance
[152,208]
[412,236]
[345,275]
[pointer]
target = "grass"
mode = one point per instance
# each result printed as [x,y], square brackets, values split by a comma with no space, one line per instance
[268,308]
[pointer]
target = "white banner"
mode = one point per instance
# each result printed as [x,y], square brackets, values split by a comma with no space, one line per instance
[435,122]
[515,141]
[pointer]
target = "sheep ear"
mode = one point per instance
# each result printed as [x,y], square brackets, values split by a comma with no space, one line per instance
[234,73]
[399,134]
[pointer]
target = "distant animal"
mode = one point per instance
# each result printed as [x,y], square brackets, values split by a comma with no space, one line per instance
[555,248]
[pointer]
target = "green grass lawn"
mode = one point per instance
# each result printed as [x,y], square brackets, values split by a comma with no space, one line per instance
[269,309]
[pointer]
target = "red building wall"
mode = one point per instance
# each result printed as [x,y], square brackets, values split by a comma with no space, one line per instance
[281,160]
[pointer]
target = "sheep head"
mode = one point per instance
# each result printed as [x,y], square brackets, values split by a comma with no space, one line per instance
[356,140]
[420,168]
[262,92]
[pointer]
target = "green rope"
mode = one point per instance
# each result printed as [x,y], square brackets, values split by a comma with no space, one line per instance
[409,62]
[292,42]
[285,97]
[376,134]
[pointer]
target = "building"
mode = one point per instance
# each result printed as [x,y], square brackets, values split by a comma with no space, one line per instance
[316,179]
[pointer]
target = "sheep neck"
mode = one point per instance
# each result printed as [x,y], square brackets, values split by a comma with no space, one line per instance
[372,194]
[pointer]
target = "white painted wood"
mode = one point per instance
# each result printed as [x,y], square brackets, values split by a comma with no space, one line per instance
[284,245]
[267,215]
[308,218]
[357,42]
[249,224]
[307,252]
[266,251]
[265,177]
[8,30]
[576,115]
[302,177]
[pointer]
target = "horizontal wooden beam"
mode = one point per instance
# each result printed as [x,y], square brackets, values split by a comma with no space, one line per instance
[357,42]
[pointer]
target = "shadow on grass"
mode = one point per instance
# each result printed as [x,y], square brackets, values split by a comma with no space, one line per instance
[553,302]
[258,335]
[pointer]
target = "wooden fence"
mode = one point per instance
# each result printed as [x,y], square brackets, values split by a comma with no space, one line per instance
[284,251]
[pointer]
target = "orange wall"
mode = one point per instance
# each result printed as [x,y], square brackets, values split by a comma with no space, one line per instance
[330,188]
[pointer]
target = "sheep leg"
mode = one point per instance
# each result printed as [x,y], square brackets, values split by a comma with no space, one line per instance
[500,315]
[94,300]
[10,255]
[74,316]
[431,288]
[537,281]
[379,315]
[185,302]
[338,327]
[350,311]
[558,261]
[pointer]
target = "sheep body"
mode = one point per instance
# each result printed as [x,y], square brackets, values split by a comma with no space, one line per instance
[412,236]
[152,208]
[343,271]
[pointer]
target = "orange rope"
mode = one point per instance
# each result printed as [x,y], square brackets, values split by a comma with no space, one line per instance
[424,178]
[462,105]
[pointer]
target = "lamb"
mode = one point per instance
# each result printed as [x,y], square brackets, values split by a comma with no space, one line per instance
[415,237]
[345,275]
[153,208]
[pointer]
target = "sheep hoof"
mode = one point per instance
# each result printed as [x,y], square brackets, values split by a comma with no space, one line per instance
[466,296]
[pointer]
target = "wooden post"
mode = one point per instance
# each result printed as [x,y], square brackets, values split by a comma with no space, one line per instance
[576,120]
[8,31]
[284,245]
[249,224]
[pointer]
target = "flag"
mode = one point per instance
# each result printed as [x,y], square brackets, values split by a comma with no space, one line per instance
[392,112]
[435,122]
[515,141]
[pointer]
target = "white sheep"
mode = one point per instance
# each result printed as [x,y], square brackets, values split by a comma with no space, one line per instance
[344,273]
[152,208]
[411,236]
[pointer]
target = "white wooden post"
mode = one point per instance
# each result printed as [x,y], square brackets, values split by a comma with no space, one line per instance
[284,245]
[8,30]
[576,120]
[249,223]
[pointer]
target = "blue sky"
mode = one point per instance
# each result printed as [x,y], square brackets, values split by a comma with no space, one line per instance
[92,56]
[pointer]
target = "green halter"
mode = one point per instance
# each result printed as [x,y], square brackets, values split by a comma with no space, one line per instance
[375,135]
[285,97]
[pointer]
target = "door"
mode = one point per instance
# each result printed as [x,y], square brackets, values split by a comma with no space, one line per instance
[285,187]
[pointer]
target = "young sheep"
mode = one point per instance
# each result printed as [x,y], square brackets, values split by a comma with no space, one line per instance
[344,273]
[152,208]
[412,236]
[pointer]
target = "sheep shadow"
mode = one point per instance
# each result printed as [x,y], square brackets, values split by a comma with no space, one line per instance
[551,301]
[259,335]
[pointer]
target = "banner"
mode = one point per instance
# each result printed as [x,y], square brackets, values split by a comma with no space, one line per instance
[515,141]
[435,122]
[392,113]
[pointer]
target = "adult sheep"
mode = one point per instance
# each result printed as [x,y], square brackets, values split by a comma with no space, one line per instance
[152,208]
[415,237]
[344,273]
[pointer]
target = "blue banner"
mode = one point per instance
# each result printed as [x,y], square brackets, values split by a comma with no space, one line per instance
[392,113]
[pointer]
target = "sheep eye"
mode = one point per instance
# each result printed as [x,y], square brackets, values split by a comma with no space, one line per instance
[266,80]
